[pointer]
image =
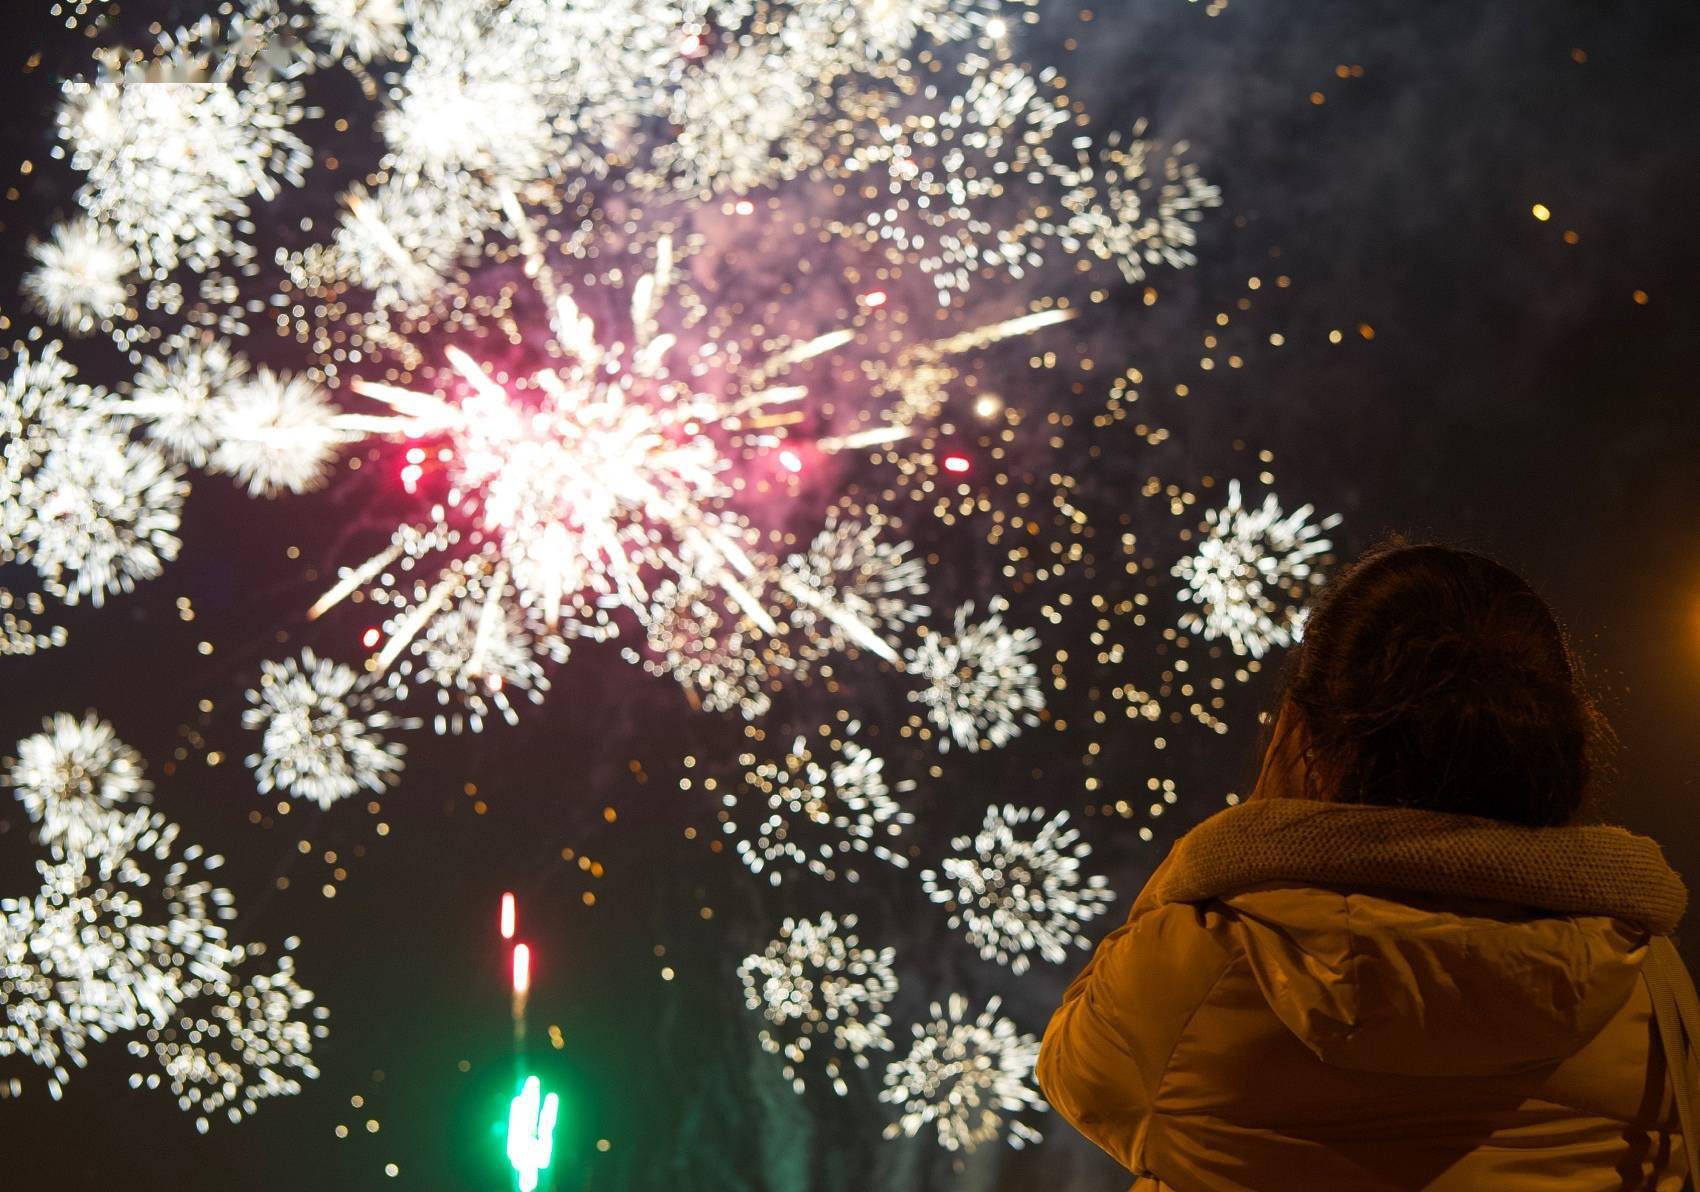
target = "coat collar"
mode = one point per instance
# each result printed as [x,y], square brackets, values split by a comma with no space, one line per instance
[1592,870]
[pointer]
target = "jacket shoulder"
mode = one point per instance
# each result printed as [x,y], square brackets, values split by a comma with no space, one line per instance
[1108,1046]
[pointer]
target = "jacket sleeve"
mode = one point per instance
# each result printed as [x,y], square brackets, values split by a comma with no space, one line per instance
[1102,1060]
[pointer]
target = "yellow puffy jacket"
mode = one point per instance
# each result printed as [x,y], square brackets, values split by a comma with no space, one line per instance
[1335,996]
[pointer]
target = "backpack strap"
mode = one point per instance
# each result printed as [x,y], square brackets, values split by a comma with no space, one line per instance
[1676,1009]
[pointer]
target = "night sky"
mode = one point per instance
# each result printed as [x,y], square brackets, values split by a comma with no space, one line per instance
[1521,386]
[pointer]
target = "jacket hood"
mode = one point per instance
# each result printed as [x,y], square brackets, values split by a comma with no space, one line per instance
[1419,943]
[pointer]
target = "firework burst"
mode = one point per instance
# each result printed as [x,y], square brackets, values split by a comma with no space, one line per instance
[967,1078]
[819,813]
[980,685]
[1251,572]
[1016,887]
[105,511]
[276,434]
[174,151]
[78,281]
[823,995]
[128,931]
[71,776]
[183,398]
[322,738]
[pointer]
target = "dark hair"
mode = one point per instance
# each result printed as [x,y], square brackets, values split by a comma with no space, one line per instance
[1436,678]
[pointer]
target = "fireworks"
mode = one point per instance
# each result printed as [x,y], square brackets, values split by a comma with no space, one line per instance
[78,280]
[18,635]
[276,434]
[93,510]
[1118,212]
[820,813]
[968,1079]
[472,98]
[1250,572]
[363,29]
[476,652]
[591,312]
[980,685]
[853,588]
[1017,891]
[128,931]
[947,171]
[713,651]
[823,995]
[40,405]
[183,397]
[246,1041]
[71,776]
[174,151]
[105,512]
[322,738]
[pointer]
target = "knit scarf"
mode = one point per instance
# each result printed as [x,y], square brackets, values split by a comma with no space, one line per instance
[1592,870]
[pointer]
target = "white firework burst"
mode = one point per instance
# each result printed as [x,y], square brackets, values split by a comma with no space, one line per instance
[127,933]
[981,685]
[174,151]
[1016,888]
[183,398]
[400,239]
[78,280]
[852,587]
[823,995]
[18,634]
[473,98]
[944,168]
[1251,572]
[246,1040]
[364,30]
[741,120]
[967,1078]
[322,737]
[41,405]
[72,776]
[103,512]
[880,31]
[716,653]
[1118,211]
[819,813]
[478,652]
[276,433]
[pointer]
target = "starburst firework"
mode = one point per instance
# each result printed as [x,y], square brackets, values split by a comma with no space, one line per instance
[363,29]
[183,397]
[248,1038]
[128,931]
[276,434]
[41,405]
[322,737]
[967,1078]
[174,151]
[980,685]
[1016,888]
[1251,572]
[823,995]
[853,587]
[105,512]
[818,813]
[78,280]
[478,652]
[72,775]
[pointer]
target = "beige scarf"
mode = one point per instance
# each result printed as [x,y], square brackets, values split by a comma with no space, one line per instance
[1590,870]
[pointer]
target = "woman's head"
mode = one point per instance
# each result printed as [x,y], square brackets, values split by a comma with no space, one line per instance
[1436,678]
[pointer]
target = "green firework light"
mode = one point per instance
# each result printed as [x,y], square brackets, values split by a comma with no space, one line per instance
[531,1132]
